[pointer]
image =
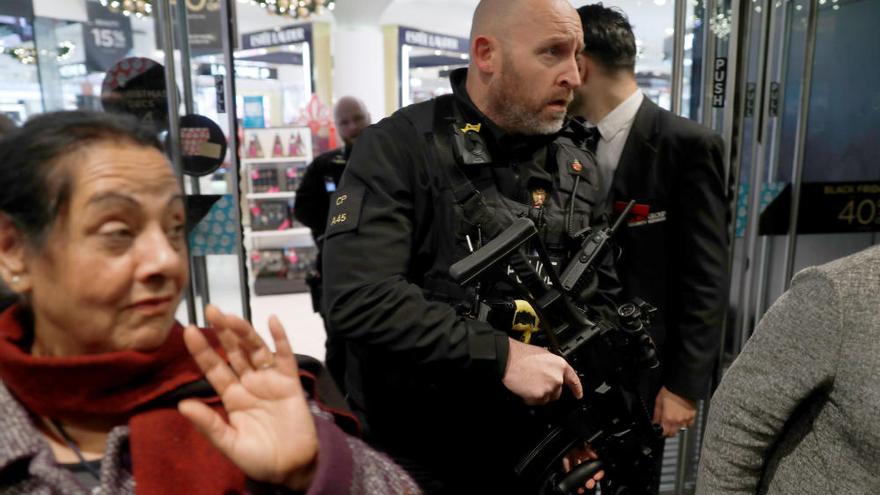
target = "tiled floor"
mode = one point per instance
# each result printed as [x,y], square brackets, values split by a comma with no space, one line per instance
[305,329]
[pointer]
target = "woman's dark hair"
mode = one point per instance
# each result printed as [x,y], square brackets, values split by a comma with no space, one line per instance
[32,191]
[608,37]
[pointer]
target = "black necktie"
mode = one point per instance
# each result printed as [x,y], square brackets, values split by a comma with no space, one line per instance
[593,137]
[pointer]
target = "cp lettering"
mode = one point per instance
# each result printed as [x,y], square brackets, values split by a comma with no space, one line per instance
[341,199]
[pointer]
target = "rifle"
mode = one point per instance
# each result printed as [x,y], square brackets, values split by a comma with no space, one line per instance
[607,356]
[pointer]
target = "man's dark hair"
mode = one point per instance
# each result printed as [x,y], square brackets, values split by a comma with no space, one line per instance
[608,37]
[32,191]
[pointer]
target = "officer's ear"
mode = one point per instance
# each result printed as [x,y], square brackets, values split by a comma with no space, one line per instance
[485,54]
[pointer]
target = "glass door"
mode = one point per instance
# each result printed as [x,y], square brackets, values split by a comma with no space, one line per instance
[810,119]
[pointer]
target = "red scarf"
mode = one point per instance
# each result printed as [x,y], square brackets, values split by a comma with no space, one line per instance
[168,454]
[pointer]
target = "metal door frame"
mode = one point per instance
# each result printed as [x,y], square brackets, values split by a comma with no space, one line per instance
[166,25]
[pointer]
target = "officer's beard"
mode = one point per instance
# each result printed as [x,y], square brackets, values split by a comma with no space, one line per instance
[512,108]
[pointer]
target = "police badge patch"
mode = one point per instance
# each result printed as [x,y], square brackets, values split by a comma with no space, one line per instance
[345,210]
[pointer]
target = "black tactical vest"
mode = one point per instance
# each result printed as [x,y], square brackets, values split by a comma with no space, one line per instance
[557,187]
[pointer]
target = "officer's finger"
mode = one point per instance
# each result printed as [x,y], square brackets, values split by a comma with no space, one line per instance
[573,381]
[658,412]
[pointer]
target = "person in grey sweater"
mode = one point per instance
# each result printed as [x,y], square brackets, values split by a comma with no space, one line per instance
[798,412]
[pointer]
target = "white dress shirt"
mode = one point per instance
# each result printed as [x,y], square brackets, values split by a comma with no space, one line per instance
[614,129]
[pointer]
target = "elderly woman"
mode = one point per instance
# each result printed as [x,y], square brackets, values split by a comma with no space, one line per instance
[98,380]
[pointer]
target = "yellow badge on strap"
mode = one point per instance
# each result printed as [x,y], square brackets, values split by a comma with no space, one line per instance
[471,127]
[525,320]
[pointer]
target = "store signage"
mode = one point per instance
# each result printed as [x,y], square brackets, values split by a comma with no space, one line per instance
[751,94]
[254,114]
[203,20]
[826,208]
[137,86]
[220,93]
[241,71]
[277,37]
[202,144]
[17,8]
[719,82]
[72,70]
[107,37]
[774,99]
[433,40]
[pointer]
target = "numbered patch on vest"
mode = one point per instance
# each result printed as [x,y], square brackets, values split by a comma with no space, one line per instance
[345,210]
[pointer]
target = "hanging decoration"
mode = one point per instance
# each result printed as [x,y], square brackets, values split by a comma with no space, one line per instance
[319,118]
[137,8]
[28,55]
[720,24]
[298,9]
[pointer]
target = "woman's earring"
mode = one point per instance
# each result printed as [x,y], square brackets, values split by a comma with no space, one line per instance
[16,279]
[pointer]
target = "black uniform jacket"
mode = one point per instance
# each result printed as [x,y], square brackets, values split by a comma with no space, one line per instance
[317,186]
[676,254]
[427,380]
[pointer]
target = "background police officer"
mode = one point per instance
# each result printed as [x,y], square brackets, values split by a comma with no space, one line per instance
[443,394]
[313,201]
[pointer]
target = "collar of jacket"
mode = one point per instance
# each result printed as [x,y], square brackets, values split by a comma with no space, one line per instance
[502,144]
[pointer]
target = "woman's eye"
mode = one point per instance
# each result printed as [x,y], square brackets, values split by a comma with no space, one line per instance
[116,232]
[177,233]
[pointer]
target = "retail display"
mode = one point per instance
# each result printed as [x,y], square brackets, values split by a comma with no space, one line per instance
[274,161]
[284,270]
[270,214]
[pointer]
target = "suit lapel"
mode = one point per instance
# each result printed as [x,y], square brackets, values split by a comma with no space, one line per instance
[639,152]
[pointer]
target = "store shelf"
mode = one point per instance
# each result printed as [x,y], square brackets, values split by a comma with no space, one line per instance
[272,286]
[272,195]
[279,233]
[275,159]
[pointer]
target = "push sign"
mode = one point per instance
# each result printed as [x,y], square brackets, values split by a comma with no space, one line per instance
[719,82]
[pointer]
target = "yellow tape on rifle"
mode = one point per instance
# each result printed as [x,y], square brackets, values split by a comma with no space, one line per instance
[525,320]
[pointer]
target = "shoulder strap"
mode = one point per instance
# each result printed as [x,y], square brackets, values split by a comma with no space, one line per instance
[440,139]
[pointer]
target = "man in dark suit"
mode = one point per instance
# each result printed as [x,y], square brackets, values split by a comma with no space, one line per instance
[675,246]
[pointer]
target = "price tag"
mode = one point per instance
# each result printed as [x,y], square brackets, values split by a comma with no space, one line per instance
[107,38]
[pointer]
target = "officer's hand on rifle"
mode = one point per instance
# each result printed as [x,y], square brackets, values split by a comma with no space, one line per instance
[537,375]
[673,412]
[576,457]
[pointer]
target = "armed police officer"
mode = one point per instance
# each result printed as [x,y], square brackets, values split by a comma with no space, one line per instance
[313,202]
[324,173]
[445,394]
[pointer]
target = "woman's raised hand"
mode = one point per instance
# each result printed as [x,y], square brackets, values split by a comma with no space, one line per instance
[270,433]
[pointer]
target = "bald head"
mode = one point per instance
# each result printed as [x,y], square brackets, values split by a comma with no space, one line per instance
[492,16]
[351,117]
[523,62]
[499,18]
